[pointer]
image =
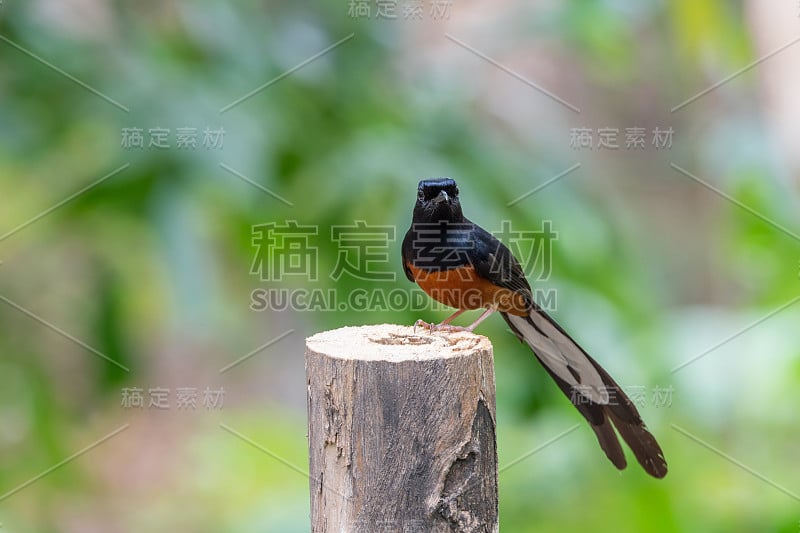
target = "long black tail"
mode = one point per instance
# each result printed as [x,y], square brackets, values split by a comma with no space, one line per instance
[591,390]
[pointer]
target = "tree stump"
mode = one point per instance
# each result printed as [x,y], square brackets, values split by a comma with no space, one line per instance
[401,431]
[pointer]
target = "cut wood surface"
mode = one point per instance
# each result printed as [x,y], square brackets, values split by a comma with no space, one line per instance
[401,430]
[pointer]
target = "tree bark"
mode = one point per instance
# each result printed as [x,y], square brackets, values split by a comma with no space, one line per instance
[401,431]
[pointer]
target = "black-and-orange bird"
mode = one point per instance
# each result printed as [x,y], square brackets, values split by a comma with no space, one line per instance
[461,265]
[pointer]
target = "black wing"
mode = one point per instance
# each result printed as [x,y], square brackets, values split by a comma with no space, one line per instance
[406,254]
[492,260]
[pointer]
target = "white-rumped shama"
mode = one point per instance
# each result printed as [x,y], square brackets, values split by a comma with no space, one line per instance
[461,265]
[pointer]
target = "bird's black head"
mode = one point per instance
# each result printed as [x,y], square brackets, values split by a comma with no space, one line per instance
[437,200]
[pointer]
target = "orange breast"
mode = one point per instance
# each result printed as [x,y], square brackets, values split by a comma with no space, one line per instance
[463,288]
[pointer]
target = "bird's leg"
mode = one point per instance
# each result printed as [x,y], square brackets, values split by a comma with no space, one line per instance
[452,317]
[484,316]
[443,325]
[446,326]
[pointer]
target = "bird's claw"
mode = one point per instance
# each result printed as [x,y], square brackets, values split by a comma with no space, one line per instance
[438,327]
[422,323]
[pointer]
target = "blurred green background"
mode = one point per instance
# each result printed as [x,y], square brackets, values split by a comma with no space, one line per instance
[151,266]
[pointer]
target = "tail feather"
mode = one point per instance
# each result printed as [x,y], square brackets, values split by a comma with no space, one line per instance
[603,413]
[598,420]
[643,444]
[610,443]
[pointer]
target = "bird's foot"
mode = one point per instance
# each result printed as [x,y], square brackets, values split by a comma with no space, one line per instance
[438,327]
[422,324]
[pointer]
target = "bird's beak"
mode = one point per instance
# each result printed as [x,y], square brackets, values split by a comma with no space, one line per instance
[442,197]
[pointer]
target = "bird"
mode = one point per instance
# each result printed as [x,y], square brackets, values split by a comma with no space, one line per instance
[461,265]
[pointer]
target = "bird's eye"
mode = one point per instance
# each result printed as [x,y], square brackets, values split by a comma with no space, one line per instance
[420,195]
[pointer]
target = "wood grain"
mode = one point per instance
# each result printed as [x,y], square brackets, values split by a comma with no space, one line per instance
[401,430]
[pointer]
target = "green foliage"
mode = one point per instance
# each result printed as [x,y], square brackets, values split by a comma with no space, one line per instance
[151,267]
